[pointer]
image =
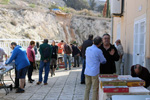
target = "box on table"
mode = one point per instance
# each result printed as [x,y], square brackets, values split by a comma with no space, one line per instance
[112,82]
[115,89]
[108,76]
[134,81]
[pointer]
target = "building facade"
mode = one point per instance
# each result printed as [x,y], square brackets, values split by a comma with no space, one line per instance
[133,29]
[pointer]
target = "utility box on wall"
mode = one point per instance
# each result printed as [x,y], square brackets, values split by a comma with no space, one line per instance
[117,7]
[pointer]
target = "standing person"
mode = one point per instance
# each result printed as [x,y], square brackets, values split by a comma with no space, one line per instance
[36,48]
[67,52]
[54,58]
[111,55]
[2,53]
[60,47]
[31,57]
[76,55]
[94,56]
[45,52]
[21,62]
[120,52]
[85,44]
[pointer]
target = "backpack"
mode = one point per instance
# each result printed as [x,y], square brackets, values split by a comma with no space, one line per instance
[46,52]
[68,49]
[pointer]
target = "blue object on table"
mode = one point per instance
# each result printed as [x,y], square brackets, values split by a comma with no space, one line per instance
[131,97]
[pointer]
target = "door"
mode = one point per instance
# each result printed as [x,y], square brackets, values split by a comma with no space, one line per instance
[139,42]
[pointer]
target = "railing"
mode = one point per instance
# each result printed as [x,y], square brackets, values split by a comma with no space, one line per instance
[5,44]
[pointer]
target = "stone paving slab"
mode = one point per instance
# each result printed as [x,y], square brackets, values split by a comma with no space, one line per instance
[64,86]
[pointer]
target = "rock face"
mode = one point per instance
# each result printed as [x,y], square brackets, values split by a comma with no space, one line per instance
[30,24]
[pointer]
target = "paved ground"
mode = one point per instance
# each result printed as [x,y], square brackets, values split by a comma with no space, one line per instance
[64,86]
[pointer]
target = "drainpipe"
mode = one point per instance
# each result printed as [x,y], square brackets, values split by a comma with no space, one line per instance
[112,21]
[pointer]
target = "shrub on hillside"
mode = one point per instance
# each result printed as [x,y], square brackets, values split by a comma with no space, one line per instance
[77,4]
[52,6]
[32,5]
[4,1]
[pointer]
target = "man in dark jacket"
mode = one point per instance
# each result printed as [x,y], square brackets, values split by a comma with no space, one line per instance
[45,52]
[85,44]
[111,55]
[141,72]
[75,54]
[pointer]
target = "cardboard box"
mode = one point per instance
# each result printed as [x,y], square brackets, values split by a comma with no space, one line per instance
[115,89]
[112,82]
[134,81]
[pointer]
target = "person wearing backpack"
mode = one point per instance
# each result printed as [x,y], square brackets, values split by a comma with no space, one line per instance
[45,52]
[67,52]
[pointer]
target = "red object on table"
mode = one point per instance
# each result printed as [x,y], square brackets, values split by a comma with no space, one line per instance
[113,89]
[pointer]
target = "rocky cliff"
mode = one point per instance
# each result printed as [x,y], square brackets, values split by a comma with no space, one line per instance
[23,23]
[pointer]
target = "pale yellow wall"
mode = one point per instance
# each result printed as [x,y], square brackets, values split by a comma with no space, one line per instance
[131,13]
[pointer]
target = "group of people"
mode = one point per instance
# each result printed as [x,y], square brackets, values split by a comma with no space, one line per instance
[25,60]
[101,57]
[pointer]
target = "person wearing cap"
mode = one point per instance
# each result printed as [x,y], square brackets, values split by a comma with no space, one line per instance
[120,52]
[141,72]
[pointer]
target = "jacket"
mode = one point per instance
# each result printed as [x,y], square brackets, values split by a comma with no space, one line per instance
[86,44]
[31,54]
[75,50]
[144,75]
[42,47]
[20,57]
[54,52]
[109,67]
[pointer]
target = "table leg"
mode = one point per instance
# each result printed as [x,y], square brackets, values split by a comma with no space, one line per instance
[4,85]
[11,78]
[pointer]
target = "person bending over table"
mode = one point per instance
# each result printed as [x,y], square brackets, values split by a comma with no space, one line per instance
[21,62]
[141,72]
[2,53]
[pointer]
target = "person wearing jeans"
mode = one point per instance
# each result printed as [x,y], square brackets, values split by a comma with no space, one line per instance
[67,57]
[94,56]
[67,52]
[45,66]
[85,44]
[45,52]
[82,73]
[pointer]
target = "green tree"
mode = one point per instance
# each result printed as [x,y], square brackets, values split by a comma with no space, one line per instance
[92,4]
[100,8]
[77,4]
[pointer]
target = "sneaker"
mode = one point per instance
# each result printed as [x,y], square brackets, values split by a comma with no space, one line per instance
[69,68]
[38,83]
[45,83]
[65,68]
[19,90]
